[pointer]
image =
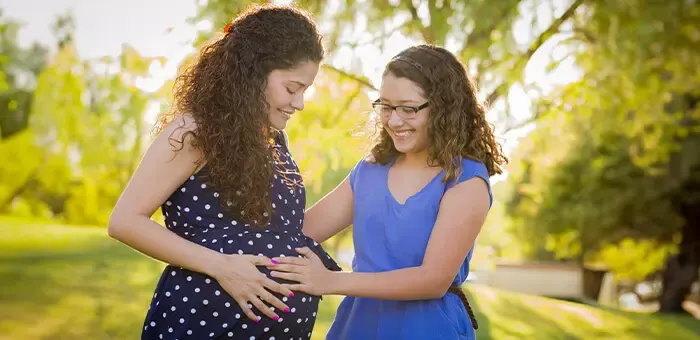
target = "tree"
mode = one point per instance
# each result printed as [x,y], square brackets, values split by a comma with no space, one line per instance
[623,172]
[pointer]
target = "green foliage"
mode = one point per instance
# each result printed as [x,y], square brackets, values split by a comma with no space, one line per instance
[602,175]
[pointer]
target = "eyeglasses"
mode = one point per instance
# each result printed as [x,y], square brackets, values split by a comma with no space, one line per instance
[405,112]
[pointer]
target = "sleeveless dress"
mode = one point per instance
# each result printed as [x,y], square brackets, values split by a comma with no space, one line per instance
[387,236]
[191,305]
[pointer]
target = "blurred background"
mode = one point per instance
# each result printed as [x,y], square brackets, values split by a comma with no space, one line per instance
[595,228]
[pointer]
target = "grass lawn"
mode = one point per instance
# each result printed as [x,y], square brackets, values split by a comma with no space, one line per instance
[62,282]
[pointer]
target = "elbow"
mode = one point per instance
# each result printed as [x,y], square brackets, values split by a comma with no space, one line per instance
[116,224]
[438,285]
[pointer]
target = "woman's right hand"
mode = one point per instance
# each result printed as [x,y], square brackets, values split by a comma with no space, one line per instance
[240,277]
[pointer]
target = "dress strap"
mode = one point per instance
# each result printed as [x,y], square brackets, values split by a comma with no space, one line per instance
[458,291]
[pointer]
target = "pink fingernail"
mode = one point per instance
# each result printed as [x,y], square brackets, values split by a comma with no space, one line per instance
[286,309]
[274,262]
[291,294]
[276,318]
[257,320]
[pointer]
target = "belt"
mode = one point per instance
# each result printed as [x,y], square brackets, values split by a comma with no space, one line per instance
[458,291]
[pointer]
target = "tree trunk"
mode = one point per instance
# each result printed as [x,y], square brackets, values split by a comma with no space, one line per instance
[682,269]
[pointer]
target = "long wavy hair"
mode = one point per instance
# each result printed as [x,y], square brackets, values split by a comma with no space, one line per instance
[224,91]
[457,126]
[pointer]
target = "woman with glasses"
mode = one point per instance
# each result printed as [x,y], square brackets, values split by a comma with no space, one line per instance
[416,203]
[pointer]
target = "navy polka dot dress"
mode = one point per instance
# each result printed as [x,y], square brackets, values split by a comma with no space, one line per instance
[191,305]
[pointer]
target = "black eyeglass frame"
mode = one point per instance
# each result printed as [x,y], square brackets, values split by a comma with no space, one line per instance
[413,110]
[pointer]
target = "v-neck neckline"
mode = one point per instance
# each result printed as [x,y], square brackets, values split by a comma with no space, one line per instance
[411,197]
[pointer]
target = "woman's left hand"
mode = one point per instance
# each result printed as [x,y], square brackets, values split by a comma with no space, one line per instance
[310,273]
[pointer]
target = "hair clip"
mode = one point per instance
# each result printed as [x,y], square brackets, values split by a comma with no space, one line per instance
[228,28]
[409,61]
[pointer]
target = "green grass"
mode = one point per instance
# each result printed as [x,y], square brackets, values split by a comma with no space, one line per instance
[62,282]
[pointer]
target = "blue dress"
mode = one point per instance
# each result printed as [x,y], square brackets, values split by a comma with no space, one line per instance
[387,236]
[191,305]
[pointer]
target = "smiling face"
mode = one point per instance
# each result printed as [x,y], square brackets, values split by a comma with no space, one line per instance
[285,91]
[410,135]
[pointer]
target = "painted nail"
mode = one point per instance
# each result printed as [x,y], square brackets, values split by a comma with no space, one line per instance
[257,320]
[286,309]
[291,294]
[274,262]
[276,318]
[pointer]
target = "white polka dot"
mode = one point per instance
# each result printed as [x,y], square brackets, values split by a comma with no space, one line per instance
[183,189]
[170,329]
[164,315]
[204,186]
[182,320]
[202,322]
[238,316]
[216,194]
[172,273]
[153,324]
[294,310]
[173,308]
[189,332]
[199,218]
[215,314]
[208,281]
[196,290]
[193,311]
[207,206]
[250,242]
[217,293]
[194,198]
[234,222]
[224,325]
[187,209]
[177,287]
[280,320]
[286,330]
[230,334]
[284,299]
[220,215]
[205,302]
[211,225]
[184,299]
[299,320]
[167,293]
[227,304]
[269,246]
[244,326]
[211,335]
[266,329]
[303,299]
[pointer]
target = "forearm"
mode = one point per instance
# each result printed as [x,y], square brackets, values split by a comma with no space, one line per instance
[150,238]
[414,283]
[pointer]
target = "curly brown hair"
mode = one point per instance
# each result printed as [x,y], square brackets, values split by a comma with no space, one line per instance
[457,126]
[224,91]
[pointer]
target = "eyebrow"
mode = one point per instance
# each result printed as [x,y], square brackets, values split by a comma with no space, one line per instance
[404,101]
[298,82]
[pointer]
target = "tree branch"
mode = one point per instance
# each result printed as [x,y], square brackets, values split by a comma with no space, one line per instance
[358,79]
[525,57]
[425,32]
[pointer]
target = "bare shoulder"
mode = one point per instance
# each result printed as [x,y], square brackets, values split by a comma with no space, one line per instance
[180,130]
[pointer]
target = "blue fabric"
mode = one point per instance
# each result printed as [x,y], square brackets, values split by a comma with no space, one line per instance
[387,236]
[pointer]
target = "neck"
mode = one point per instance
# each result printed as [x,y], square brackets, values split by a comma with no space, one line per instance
[418,160]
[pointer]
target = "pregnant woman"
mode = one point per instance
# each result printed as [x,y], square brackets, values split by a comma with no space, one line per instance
[228,187]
